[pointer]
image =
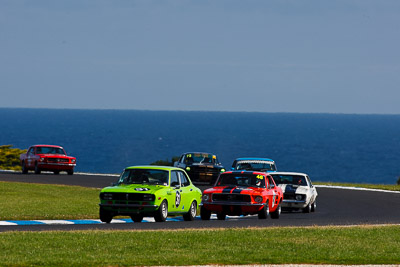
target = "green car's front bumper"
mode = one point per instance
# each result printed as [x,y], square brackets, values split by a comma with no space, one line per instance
[127,209]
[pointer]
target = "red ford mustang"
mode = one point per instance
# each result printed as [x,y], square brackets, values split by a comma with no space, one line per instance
[242,193]
[47,158]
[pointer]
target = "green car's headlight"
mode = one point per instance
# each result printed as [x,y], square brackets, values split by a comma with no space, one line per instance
[147,197]
[107,196]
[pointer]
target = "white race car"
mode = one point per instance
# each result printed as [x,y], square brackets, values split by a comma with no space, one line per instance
[298,191]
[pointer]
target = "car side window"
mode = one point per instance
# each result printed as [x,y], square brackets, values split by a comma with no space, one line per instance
[184,179]
[271,183]
[174,179]
[309,181]
[31,151]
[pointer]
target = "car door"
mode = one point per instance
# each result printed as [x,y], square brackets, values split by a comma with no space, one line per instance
[186,192]
[30,157]
[174,201]
[312,189]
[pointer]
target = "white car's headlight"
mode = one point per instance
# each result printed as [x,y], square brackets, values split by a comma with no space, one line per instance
[300,197]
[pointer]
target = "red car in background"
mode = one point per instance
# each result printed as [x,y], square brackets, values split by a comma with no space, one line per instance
[242,193]
[47,158]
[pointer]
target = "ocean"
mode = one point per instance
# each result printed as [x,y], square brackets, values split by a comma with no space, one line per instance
[328,147]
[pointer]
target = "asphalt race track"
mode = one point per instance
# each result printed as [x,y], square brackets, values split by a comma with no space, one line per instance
[335,206]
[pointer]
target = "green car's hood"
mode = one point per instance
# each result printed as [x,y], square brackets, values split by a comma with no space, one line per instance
[134,188]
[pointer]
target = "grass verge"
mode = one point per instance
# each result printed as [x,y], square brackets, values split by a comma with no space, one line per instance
[26,201]
[310,245]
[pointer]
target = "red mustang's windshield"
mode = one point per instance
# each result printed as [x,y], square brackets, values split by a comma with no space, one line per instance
[241,179]
[49,150]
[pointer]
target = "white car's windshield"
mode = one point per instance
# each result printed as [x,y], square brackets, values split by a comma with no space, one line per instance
[290,179]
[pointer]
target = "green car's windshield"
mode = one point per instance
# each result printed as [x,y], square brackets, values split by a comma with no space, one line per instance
[144,176]
[241,179]
[290,179]
[255,166]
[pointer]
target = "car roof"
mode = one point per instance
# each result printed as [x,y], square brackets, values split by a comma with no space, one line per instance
[47,146]
[245,171]
[288,173]
[198,153]
[154,167]
[259,159]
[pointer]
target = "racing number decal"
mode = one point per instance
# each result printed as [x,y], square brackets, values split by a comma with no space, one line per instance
[273,199]
[260,177]
[177,199]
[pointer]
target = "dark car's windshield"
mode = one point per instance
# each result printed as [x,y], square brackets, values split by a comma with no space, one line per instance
[290,179]
[199,158]
[241,179]
[49,150]
[255,166]
[144,176]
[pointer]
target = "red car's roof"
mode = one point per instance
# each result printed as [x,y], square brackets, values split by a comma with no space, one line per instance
[48,146]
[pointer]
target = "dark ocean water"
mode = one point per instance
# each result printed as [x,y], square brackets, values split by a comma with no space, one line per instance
[329,147]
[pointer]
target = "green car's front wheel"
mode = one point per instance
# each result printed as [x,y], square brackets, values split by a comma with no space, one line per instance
[162,212]
[191,213]
[105,216]
[137,218]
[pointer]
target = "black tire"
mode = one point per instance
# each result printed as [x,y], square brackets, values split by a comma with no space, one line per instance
[263,214]
[277,213]
[314,206]
[71,172]
[24,168]
[162,213]
[105,216]
[205,214]
[56,172]
[137,218]
[221,216]
[307,209]
[191,214]
[37,169]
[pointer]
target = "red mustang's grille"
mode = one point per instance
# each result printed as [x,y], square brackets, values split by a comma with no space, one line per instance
[231,197]
[57,160]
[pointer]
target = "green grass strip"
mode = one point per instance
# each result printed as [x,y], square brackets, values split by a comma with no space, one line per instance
[310,245]
[26,201]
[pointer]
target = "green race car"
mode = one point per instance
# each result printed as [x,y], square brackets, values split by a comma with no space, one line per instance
[150,191]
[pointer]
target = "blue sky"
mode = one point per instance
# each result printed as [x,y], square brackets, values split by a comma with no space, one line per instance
[220,55]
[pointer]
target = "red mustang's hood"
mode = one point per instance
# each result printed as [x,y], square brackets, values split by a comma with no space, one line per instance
[56,156]
[233,190]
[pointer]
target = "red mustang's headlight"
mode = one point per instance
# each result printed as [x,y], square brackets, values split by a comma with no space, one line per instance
[206,198]
[41,159]
[73,160]
[258,199]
